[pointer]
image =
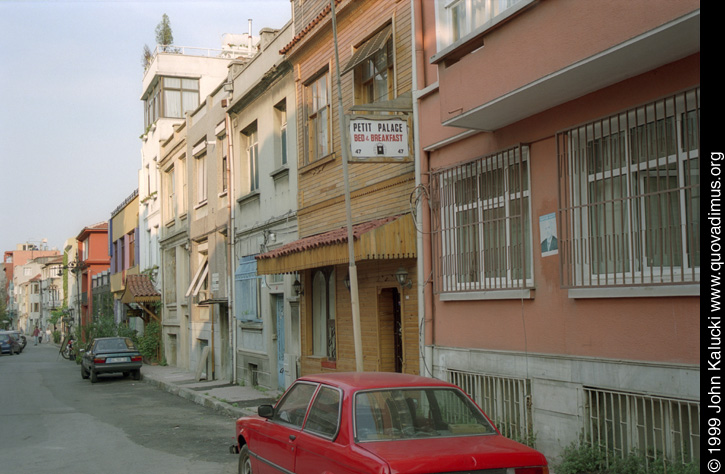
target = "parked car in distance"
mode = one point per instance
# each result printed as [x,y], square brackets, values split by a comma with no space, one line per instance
[20,337]
[372,422]
[9,344]
[111,355]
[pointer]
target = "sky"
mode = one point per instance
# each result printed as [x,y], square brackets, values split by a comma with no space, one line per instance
[70,108]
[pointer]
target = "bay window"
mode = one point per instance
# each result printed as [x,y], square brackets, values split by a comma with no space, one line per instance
[456,19]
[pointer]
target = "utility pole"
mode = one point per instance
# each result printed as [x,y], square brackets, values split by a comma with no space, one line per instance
[354,301]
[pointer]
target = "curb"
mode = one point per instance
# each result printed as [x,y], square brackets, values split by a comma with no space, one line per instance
[199,399]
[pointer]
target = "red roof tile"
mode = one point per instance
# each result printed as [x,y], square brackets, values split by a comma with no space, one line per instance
[140,286]
[337,236]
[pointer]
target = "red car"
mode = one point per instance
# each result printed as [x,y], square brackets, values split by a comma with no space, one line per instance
[377,423]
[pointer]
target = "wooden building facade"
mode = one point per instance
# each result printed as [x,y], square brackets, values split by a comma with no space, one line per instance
[375,57]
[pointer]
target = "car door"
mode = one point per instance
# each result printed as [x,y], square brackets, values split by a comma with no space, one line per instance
[274,445]
[316,449]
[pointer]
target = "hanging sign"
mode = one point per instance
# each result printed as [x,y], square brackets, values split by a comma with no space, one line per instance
[379,138]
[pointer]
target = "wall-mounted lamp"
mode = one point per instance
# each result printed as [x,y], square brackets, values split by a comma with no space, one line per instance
[402,276]
[297,287]
[74,267]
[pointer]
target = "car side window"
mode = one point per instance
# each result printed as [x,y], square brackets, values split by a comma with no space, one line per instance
[293,407]
[324,416]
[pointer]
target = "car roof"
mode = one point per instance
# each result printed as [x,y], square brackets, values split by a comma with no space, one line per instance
[353,381]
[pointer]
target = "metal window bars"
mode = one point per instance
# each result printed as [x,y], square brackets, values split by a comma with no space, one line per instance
[629,196]
[663,430]
[481,223]
[506,401]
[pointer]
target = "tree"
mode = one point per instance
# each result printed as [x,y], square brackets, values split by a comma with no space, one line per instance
[164,36]
[147,56]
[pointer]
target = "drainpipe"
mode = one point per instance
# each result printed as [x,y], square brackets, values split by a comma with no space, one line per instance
[231,257]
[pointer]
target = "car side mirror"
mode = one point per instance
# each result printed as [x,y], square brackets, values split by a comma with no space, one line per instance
[265,411]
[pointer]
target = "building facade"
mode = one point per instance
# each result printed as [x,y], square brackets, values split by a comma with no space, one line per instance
[92,258]
[561,216]
[175,246]
[264,189]
[125,253]
[175,82]
[375,52]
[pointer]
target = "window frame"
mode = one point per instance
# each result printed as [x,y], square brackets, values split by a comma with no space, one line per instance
[315,113]
[281,117]
[493,267]
[324,331]
[156,103]
[471,16]
[311,408]
[251,135]
[202,185]
[276,417]
[610,239]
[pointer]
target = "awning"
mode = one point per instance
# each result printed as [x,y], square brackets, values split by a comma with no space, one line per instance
[381,239]
[139,289]
[369,48]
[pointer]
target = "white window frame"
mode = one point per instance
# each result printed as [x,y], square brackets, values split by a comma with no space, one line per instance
[201,179]
[171,193]
[470,15]
[252,136]
[452,274]
[624,247]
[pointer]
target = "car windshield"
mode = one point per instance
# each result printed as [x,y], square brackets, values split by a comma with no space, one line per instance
[109,345]
[4,338]
[393,414]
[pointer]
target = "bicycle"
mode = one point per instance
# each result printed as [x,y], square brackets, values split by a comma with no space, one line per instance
[66,348]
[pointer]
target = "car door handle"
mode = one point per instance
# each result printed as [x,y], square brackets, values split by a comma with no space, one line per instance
[292,437]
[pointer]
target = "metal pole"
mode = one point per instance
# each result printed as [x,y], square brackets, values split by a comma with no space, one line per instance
[354,301]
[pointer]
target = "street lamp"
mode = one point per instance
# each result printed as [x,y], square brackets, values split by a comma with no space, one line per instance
[75,267]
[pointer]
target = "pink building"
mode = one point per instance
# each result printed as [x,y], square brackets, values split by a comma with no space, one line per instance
[560,156]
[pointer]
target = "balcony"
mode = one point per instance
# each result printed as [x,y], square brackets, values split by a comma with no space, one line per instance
[542,58]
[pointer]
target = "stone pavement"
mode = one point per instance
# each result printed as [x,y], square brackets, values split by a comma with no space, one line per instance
[221,395]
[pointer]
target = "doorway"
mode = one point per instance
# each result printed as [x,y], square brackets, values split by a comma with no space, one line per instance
[390,330]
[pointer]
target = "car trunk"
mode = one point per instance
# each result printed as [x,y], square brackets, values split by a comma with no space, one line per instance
[439,455]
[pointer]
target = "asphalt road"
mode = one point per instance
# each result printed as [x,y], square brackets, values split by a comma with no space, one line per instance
[51,420]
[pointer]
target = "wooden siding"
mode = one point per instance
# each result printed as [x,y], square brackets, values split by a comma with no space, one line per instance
[374,277]
[321,183]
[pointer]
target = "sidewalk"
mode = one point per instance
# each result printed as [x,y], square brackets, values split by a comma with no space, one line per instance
[221,395]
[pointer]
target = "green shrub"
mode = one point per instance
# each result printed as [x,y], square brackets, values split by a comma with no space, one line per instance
[150,343]
[585,459]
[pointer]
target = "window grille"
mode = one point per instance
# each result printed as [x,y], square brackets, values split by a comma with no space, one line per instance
[629,193]
[664,430]
[506,401]
[482,223]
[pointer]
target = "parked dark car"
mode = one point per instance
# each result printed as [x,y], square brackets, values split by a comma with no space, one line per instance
[20,337]
[108,355]
[9,344]
[352,423]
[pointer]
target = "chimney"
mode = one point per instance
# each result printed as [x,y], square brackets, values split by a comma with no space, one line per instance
[250,36]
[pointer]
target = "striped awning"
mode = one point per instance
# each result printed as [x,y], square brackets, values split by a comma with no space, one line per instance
[380,239]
